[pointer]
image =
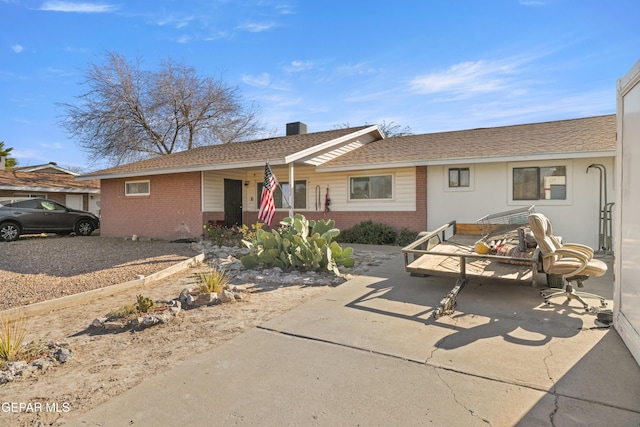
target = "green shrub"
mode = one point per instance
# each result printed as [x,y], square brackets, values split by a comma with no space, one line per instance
[223,236]
[299,244]
[124,312]
[143,304]
[406,237]
[370,233]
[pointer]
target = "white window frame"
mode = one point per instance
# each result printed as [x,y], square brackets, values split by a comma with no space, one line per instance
[126,185]
[471,186]
[568,164]
[259,185]
[393,186]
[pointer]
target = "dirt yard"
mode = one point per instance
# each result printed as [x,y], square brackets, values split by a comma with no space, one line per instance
[106,364]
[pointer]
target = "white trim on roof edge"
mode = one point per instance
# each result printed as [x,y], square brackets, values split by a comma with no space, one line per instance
[313,151]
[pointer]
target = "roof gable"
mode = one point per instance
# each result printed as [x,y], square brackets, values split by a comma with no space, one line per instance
[50,167]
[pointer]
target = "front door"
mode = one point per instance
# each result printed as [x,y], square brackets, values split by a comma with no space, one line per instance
[232,202]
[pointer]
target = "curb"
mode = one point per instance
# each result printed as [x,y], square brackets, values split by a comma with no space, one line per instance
[87,296]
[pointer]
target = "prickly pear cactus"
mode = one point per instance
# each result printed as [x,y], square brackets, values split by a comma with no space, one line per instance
[299,244]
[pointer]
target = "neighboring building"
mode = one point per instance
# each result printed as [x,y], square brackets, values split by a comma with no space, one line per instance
[417,181]
[52,182]
[51,167]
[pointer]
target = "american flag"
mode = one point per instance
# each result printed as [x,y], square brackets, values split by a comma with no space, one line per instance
[267,208]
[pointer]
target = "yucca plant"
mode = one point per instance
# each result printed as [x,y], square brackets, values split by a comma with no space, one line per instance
[13,333]
[214,280]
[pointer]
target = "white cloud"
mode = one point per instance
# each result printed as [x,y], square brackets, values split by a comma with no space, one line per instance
[174,21]
[466,78]
[17,48]
[53,146]
[254,27]
[359,69]
[298,66]
[66,6]
[285,9]
[262,80]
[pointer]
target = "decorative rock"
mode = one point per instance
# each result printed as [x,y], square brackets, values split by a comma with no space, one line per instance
[16,366]
[238,295]
[98,322]
[149,320]
[206,298]
[6,377]
[64,354]
[185,298]
[112,325]
[42,364]
[226,296]
[175,306]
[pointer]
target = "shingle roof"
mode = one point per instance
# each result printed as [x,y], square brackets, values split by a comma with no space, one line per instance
[586,135]
[231,155]
[46,182]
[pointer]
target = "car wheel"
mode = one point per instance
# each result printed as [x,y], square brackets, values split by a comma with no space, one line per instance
[9,231]
[84,227]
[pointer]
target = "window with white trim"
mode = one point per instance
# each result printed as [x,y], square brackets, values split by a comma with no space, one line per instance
[137,188]
[371,187]
[459,177]
[280,197]
[539,183]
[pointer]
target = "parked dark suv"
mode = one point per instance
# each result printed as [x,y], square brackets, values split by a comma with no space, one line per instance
[36,215]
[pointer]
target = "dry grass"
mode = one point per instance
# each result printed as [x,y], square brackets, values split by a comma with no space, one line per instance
[13,330]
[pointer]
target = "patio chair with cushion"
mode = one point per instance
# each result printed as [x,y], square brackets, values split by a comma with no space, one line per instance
[568,262]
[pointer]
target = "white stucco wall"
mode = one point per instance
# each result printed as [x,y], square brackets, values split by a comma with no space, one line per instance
[575,219]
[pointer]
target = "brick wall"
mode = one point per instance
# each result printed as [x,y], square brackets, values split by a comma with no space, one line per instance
[171,211]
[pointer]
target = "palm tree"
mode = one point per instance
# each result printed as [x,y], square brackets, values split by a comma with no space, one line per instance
[4,152]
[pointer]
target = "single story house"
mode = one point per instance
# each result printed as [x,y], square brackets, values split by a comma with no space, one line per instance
[355,174]
[52,182]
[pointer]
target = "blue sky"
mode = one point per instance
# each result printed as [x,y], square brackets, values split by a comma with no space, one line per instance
[430,65]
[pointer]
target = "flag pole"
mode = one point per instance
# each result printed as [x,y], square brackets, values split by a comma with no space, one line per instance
[292,184]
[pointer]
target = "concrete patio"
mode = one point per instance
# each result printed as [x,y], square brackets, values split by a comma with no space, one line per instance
[369,352]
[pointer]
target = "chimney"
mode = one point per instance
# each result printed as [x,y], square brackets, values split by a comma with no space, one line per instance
[2,163]
[296,128]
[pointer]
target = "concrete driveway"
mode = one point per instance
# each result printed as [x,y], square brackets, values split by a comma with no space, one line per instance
[369,353]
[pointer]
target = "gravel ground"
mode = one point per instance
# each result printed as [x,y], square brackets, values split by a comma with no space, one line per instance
[39,268]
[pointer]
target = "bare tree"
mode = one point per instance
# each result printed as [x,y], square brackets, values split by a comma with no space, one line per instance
[130,114]
[388,129]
